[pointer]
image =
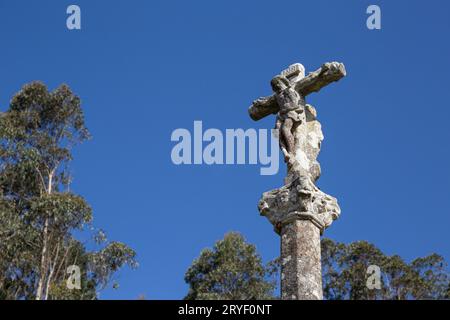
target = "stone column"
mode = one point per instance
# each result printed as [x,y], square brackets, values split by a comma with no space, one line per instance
[301,277]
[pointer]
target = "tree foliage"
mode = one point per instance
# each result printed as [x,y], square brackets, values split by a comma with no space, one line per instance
[345,274]
[232,270]
[38,213]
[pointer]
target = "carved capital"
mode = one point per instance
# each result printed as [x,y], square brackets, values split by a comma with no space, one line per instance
[300,200]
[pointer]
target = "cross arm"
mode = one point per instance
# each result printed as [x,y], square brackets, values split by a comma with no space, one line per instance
[326,74]
[263,107]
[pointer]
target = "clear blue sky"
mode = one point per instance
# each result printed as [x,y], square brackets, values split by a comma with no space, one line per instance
[145,68]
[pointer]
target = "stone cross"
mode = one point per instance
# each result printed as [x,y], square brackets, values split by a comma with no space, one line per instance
[299,211]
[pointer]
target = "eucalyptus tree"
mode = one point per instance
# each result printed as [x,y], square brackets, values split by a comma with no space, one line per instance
[38,212]
[346,274]
[233,269]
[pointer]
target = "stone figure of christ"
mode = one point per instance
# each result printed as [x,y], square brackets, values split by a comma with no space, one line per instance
[288,101]
[291,114]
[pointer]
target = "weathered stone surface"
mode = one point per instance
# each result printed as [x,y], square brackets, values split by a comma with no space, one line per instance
[301,277]
[299,200]
[262,107]
[299,210]
[295,72]
[328,73]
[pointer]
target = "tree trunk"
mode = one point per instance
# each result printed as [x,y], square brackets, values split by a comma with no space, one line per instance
[42,276]
[44,267]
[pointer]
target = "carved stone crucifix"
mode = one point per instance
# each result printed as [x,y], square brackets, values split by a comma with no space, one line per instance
[299,211]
